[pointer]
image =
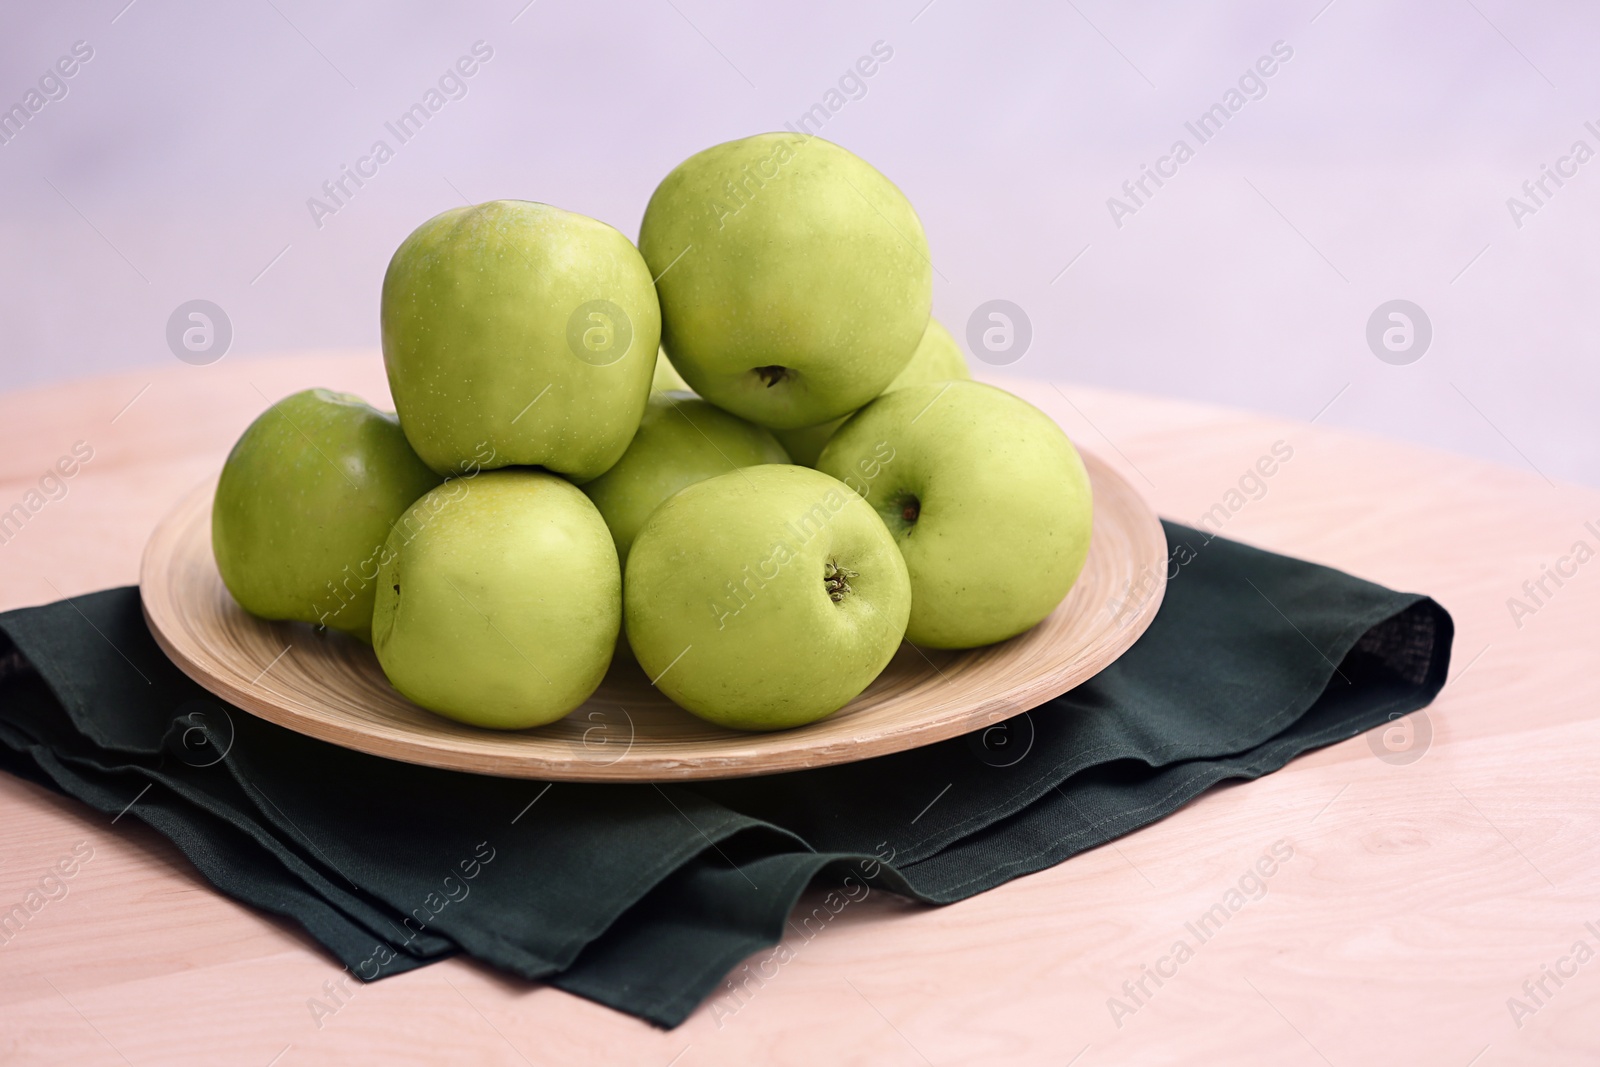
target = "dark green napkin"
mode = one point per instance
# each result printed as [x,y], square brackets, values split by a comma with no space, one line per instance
[643,897]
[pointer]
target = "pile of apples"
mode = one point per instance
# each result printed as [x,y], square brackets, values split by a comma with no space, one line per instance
[822,482]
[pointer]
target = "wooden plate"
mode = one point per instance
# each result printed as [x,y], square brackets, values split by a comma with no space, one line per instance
[330,686]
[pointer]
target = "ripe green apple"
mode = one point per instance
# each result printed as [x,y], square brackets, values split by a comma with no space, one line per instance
[667,379]
[794,278]
[938,358]
[987,499]
[681,440]
[521,327]
[304,504]
[764,598]
[499,600]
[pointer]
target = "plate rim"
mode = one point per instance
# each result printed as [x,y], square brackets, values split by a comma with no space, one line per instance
[771,753]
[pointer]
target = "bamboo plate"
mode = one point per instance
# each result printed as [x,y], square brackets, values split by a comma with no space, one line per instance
[330,686]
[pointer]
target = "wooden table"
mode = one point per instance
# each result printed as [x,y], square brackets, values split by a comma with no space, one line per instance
[1422,892]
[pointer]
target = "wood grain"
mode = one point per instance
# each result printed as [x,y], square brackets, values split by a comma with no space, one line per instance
[331,687]
[1420,897]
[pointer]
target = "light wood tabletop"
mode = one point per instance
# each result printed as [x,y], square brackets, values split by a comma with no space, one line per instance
[1440,903]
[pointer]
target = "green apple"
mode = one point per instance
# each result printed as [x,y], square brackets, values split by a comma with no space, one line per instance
[987,499]
[764,598]
[938,358]
[523,328]
[794,278]
[304,504]
[499,600]
[666,379]
[681,440]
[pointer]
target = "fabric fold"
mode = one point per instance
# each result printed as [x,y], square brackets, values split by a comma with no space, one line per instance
[644,896]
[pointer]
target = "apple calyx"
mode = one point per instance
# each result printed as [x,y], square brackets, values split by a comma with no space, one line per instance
[900,512]
[836,580]
[772,375]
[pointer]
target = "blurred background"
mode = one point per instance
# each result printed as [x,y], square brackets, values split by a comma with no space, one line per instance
[1352,154]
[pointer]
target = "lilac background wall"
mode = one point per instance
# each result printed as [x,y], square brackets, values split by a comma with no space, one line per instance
[1377,166]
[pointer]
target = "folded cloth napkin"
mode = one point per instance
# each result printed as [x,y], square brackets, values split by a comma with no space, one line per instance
[643,897]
